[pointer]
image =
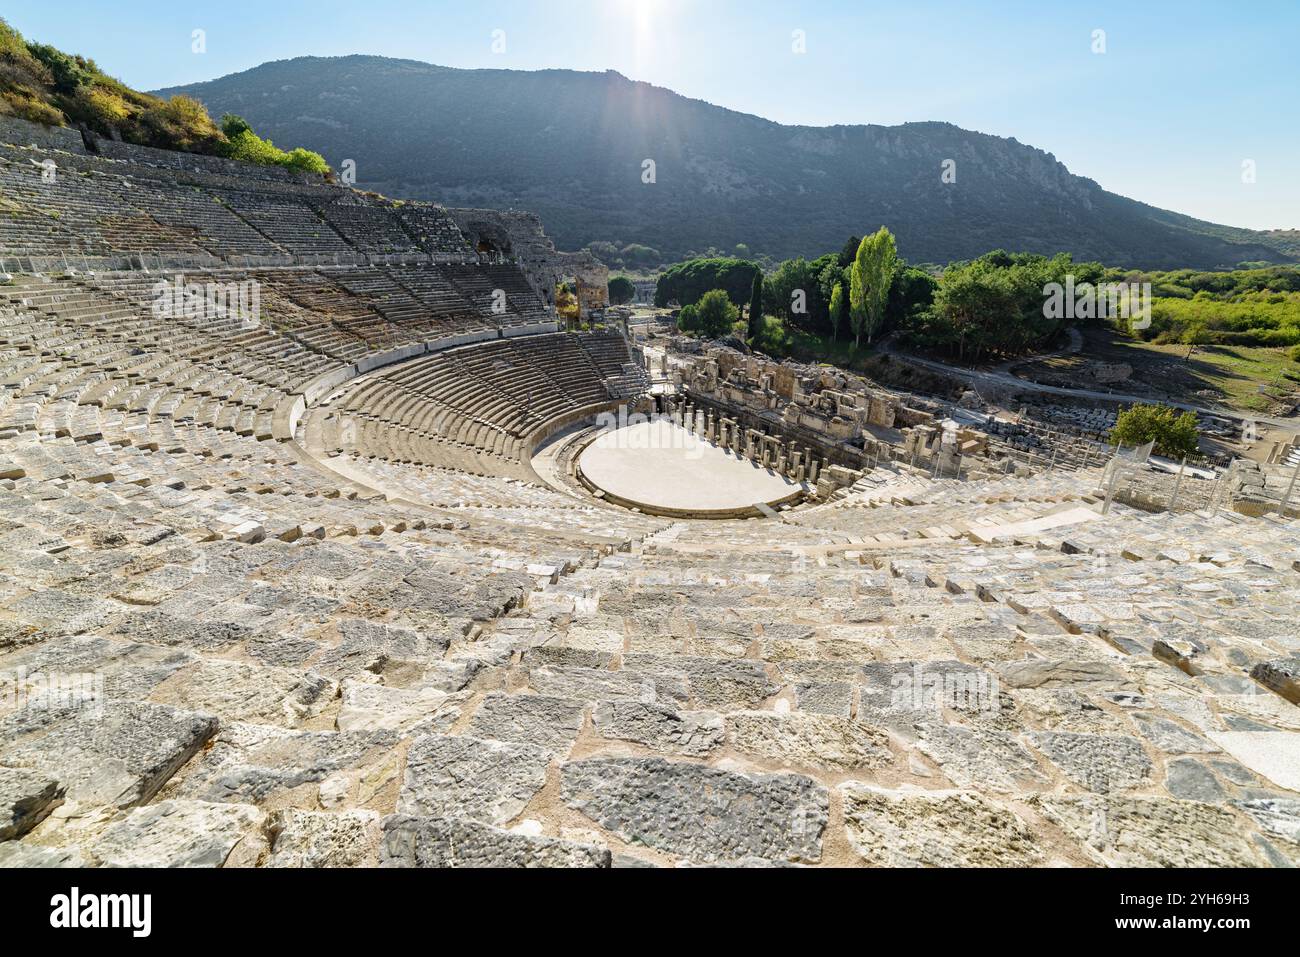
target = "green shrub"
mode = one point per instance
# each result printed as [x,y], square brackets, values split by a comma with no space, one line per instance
[245,145]
[773,338]
[15,103]
[717,314]
[68,73]
[1174,435]
[688,320]
[305,161]
[180,123]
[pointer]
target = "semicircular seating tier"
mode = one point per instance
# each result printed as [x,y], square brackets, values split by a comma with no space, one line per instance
[286,592]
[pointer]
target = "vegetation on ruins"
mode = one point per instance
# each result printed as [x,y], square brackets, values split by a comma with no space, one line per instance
[1174,434]
[713,317]
[870,278]
[621,290]
[686,283]
[42,84]
[566,302]
[244,144]
[773,338]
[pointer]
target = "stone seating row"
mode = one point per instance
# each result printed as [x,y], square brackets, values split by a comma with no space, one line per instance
[94,206]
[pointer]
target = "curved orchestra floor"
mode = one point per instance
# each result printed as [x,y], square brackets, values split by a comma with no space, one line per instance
[660,467]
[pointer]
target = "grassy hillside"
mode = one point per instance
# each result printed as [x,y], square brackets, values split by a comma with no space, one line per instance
[44,85]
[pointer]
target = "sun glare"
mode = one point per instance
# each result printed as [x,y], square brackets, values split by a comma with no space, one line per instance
[643,13]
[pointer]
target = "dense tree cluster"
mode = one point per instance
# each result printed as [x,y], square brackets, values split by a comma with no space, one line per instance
[686,283]
[814,296]
[633,256]
[994,305]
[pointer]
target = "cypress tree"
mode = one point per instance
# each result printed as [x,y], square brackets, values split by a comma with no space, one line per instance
[756,308]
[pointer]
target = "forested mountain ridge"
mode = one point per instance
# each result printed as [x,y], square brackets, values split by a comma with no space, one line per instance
[573,147]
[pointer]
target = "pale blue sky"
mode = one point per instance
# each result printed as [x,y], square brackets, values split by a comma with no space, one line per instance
[1185,92]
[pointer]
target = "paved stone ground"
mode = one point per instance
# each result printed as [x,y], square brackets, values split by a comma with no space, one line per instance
[751,693]
[217,651]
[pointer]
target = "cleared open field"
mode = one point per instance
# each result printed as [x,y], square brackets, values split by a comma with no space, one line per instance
[1227,375]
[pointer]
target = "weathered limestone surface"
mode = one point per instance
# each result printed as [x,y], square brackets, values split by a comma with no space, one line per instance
[25,800]
[15,854]
[245,693]
[935,829]
[1153,832]
[1044,672]
[1281,675]
[590,683]
[452,842]
[1279,816]
[798,739]
[1274,755]
[987,760]
[529,719]
[262,765]
[825,697]
[692,733]
[488,781]
[119,757]
[1098,762]
[310,839]
[1170,737]
[700,813]
[183,834]
[374,707]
